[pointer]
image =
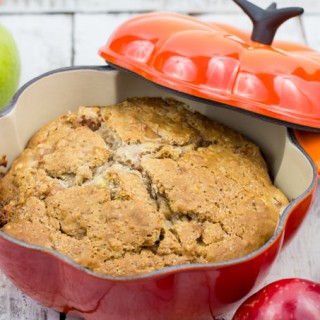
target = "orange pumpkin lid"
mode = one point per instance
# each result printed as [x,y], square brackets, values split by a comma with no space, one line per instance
[216,62]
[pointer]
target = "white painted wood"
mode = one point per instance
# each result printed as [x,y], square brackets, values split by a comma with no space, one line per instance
[290,31]
[50,41]
[301,258]
[44,42]
[91,31]
[15,305]
[311,25]
[195,6]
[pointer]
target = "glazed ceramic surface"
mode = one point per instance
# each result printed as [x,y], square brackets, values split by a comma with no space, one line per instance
[221,63]
[196,291]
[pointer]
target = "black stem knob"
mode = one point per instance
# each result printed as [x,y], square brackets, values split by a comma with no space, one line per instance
[267,21]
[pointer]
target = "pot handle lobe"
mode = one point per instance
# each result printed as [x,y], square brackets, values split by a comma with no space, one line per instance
[310,142]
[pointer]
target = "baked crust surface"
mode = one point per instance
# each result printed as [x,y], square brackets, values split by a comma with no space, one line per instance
[138,186]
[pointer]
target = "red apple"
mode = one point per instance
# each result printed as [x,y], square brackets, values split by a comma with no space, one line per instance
[286,299]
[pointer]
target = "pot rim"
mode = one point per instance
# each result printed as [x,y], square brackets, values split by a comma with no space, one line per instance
[171,269]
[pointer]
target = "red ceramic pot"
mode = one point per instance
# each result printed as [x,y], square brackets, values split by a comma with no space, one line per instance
[195,291]
[218,71]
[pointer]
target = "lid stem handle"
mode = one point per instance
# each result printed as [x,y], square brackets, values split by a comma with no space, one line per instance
[267,21]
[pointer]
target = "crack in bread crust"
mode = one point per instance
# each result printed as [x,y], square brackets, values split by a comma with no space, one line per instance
[138,186]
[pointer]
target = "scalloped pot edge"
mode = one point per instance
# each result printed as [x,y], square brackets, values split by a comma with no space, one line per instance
[220,63]
[65,286]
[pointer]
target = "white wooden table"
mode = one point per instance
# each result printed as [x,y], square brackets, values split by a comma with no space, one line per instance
[58,33]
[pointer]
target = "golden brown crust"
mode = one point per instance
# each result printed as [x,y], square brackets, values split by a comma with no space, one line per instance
[138,186]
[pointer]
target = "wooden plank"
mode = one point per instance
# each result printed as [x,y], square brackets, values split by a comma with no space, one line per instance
[44,42]
[291,30]
[91,31]
[72,318]
[302,246]
[300,258]
[15,305]
[311,25]
[98,6]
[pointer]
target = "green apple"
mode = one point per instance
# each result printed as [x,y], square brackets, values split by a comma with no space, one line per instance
[9,67]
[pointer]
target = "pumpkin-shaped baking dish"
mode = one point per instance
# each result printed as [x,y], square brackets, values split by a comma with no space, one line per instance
[190,291]
[195,291]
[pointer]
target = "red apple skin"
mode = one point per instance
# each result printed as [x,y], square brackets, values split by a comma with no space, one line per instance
[286,299]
